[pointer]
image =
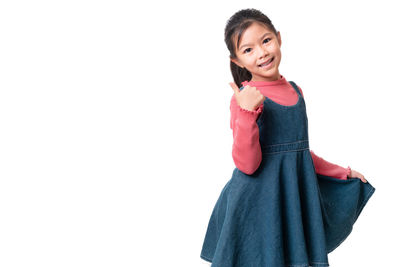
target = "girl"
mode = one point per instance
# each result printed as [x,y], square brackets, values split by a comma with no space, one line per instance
[284,205]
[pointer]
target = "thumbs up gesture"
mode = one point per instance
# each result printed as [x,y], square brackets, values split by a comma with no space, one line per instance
[248,98]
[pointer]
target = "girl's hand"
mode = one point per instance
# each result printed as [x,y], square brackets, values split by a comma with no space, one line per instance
[356,174]
[248,98]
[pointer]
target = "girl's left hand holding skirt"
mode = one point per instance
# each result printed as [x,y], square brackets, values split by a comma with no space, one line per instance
[356,174]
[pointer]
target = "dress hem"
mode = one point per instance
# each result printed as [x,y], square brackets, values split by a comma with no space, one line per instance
[313,264]
[205,258]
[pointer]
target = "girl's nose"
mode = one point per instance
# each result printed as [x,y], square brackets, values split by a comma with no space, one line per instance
[262,52]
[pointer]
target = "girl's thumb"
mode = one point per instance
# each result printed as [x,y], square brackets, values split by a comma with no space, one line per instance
[234,87]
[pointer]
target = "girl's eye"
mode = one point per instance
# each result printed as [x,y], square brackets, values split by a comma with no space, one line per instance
[250,48]
[267,39]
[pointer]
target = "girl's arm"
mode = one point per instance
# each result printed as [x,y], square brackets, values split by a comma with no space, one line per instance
[246,149]
[329,169]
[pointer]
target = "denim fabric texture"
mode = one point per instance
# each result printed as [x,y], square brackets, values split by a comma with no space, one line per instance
[284,214]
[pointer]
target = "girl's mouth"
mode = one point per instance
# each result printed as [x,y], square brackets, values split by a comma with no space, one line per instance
[267,65]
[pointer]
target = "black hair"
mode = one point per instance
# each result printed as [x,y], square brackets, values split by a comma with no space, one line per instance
[235,26]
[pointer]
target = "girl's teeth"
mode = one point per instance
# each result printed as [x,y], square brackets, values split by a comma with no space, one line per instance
[266,63]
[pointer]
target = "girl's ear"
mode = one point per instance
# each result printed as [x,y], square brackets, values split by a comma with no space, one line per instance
[236,62]
[279,38]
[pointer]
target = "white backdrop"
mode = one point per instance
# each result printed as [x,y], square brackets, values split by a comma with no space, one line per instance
[114,123]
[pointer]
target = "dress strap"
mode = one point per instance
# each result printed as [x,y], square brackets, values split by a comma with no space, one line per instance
[295,87]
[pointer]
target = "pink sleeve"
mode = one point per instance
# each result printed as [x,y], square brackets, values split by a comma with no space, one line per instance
[246,149]
[329,169]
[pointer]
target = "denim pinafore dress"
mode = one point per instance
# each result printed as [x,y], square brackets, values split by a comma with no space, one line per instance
[284,214]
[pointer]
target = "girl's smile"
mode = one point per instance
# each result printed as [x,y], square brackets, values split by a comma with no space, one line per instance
[266,64]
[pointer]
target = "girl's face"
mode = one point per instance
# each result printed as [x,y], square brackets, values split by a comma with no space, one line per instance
[257,46]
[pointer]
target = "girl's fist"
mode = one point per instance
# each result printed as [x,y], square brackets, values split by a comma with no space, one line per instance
[248,98]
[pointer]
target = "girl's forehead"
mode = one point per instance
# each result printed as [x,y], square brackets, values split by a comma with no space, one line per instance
[253,31]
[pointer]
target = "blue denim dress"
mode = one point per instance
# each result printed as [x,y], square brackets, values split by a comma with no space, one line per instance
[284,214]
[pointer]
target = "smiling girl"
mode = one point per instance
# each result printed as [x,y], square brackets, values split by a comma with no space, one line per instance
[284,205]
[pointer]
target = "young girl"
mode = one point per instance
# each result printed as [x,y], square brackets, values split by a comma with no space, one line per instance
[284,205]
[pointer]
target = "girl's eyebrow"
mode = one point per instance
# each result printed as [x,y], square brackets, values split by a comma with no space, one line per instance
[265,34]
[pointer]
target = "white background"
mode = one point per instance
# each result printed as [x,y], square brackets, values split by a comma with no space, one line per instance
[114,123]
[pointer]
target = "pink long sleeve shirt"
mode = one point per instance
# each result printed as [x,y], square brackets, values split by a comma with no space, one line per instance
[246,149]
